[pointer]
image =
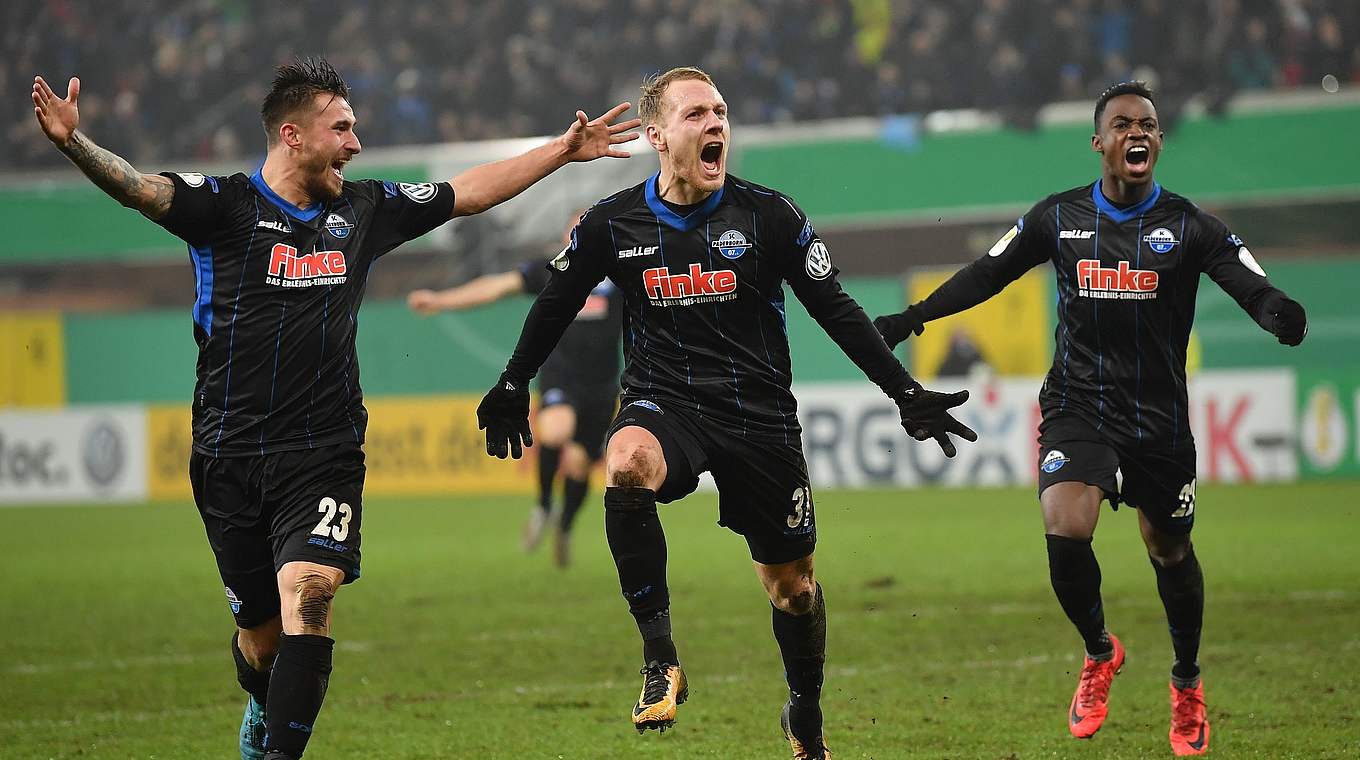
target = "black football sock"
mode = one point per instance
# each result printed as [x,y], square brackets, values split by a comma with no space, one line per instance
[296,689]
[639,548]
[255,682]
[1075,575]
[573,496]
[802,643]
[1182,590]
[548,457]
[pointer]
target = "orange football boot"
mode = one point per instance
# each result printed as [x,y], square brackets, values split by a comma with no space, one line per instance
[1189,725]
[663,690]
[1091,702]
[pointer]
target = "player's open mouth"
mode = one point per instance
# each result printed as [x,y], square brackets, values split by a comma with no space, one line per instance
[711,158]
[338,168]
[1137,158]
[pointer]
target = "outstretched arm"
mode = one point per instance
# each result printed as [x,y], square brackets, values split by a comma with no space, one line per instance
[482,187]
[1018,251]
[148,193]
[477,292]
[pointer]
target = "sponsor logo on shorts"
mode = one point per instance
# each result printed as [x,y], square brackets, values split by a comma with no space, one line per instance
[233,600]
[338,226]
[1053,461]
[731,244]
[694,286]
[1119,282]
[290,270]
[327,543]
[1185,501]
[1161,240]
[645,404]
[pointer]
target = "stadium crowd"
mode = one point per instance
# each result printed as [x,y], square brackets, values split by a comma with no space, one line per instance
[184,79]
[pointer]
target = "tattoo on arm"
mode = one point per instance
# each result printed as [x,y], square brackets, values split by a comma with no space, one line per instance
[148,193]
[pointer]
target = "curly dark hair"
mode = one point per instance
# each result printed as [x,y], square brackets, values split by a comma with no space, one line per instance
[296,84]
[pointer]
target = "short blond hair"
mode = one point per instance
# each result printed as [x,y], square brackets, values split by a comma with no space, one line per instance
[654,89]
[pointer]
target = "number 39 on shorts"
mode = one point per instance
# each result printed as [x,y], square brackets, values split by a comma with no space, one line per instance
[1186,506]
[339,531]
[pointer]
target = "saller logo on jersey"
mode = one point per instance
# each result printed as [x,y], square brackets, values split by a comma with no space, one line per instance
[288,269]
[1121,282]
[695,286]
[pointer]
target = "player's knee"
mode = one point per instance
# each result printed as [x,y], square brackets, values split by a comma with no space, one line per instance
[796,597]
[314,593]
[259,645]
[575,461]
[1169,551]
[634,465]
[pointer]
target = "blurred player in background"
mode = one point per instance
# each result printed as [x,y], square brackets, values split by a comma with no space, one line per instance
[1128,255]
[281,258]
[578,389]
[701,258]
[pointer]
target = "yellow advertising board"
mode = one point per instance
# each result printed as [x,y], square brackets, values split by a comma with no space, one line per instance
[1012,330]
[169,434]
[417,445]
[33,368]
[431,444]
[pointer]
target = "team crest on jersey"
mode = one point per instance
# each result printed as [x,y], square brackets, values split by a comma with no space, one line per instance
[420,192]
[731,244]
[233,600]
[818,264]
[1054,461]
[1161,240]
[338,226]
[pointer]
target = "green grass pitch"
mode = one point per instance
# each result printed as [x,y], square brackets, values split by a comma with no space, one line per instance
[944,638]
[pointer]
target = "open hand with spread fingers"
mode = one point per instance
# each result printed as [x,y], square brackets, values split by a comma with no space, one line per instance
[587,140]
[58,117]
[925,414]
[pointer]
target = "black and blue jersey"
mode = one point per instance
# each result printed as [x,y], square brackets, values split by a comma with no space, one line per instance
[704,325]
[587,357]
[1126,280]
[278,294]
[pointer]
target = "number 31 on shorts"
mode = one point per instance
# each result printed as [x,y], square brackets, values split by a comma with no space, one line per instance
[339,531]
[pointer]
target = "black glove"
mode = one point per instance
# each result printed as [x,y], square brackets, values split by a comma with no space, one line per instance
[896,328]
[925,414]
[504,415]
[1291,324]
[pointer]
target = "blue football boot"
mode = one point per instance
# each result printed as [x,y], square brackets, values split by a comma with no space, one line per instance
[252,731]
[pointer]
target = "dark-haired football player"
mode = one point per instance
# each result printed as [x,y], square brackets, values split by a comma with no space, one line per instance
[1128,255]
[281,258]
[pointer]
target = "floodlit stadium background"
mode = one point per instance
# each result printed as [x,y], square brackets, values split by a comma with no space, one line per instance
[912,133]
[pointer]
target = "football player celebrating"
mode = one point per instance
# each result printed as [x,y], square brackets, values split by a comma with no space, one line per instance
[1128,255]
[281,258]
[702,257]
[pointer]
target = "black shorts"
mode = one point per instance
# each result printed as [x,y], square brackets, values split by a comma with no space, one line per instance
[763,489]
[263,512]
[1159,483]
[594,407]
